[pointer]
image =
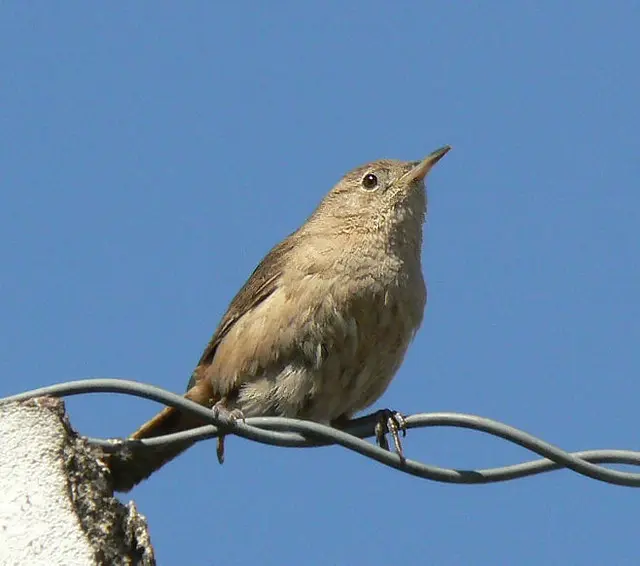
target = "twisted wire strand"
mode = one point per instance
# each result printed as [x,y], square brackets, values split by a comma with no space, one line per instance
[295,433]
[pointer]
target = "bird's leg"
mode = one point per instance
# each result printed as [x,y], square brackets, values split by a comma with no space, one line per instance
[387,422]
[390,422]
[221,412]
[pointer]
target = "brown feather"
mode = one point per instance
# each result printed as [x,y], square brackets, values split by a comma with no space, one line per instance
[127,470]
[136,463]
[262,283]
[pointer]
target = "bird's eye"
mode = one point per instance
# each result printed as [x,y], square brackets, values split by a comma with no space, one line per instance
[370,181]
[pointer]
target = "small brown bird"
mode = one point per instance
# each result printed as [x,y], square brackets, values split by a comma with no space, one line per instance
[323,323]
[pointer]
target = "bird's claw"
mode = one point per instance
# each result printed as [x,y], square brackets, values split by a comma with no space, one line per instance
[223,414]
[393,423]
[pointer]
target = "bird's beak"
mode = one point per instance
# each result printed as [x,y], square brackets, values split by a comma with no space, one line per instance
[421,168]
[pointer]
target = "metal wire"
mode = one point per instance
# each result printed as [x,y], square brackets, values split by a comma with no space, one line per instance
[278,431]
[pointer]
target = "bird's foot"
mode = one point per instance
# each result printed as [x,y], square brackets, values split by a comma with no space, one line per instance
[393,423]
[227,417]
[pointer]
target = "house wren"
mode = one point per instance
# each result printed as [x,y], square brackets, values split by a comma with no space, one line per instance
[323,323]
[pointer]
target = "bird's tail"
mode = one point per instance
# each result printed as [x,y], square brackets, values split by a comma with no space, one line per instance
[134,463]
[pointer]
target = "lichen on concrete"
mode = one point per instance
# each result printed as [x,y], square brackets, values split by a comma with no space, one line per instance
[57,506]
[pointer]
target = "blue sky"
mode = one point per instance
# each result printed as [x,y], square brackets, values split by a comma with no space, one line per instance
[153,153]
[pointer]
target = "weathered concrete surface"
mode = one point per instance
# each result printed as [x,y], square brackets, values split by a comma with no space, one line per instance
[56,505]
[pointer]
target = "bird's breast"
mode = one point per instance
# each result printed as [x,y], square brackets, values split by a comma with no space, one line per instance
[321,348]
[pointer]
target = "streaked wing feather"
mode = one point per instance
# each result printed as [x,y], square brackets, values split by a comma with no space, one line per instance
[260,285]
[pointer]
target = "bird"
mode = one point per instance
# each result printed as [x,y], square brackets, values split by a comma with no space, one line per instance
[323,323]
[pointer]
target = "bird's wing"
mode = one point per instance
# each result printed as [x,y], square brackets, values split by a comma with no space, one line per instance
[260,285]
